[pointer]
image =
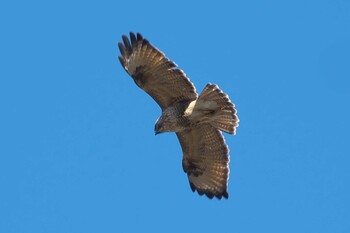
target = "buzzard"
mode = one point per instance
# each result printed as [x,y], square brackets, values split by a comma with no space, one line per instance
[196,120]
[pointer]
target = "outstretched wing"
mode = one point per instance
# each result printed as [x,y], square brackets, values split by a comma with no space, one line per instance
[153,72]
[205,160]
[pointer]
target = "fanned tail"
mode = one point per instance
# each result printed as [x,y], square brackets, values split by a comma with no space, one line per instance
[217,108]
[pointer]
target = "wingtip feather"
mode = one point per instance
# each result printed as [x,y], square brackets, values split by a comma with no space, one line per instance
[121,48]
[209,194]
[122,61]
[193,188]
[126,42]
[133,39]
[139,36]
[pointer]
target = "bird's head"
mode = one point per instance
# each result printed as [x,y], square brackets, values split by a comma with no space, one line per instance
[159,126]
[165,123]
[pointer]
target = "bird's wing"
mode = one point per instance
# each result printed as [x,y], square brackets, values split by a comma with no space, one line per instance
[153,72]
[205,160]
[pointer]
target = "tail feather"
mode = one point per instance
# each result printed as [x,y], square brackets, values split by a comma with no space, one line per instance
[218,107]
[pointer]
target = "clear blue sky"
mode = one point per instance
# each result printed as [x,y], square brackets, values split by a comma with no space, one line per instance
[77,147]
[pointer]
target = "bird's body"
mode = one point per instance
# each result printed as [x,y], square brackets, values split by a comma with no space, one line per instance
[197,120]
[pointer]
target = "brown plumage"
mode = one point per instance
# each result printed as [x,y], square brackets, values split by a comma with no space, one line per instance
[197,121]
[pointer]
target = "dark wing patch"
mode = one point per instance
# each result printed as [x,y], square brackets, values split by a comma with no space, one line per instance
[153,72]
[205,160]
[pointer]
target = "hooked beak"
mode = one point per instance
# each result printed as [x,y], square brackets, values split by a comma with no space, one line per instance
[156,129]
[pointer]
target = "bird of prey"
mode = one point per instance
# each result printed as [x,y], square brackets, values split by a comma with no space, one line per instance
[196,120]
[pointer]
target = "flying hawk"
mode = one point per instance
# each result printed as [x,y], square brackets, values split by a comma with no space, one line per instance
[196,120]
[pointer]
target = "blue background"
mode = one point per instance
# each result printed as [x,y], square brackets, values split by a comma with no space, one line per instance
[78,151]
